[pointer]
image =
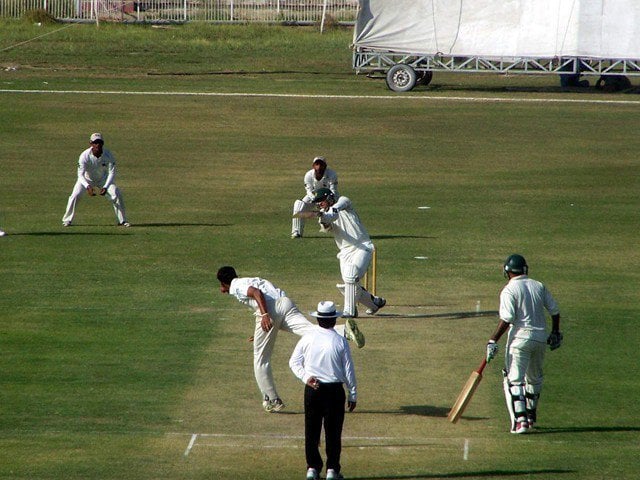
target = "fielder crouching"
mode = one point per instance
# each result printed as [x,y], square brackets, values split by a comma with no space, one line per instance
[356,250]
[522,313]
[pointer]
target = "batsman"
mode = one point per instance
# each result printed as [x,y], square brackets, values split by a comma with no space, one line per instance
[356,249]
[522,313]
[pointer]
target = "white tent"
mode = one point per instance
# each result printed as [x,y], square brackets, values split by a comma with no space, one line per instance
[593,29]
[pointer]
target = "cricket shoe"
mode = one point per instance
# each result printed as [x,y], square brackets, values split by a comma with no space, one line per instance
[66,224]
[531,417]
[521,427]
[312,474]
[379,302]
[124,224]
[353,333]
[296,235]
[333,475]
[272,406]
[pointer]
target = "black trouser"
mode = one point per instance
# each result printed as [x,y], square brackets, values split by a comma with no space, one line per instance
[326,404]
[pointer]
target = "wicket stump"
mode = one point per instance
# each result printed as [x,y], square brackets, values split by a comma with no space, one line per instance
[371,274]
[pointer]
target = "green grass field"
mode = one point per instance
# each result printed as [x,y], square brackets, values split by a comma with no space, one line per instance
[120,359]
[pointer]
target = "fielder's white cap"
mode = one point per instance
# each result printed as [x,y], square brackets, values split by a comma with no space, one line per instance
[96,136]
[326,309]
[320,159]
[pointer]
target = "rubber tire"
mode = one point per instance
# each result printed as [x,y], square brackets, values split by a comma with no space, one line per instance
[401,78]
[424,77]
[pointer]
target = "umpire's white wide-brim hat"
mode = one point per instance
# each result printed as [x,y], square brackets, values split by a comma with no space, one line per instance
[326,309]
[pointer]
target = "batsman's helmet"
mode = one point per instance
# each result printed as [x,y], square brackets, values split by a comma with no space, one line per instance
[515,264]
[322,194]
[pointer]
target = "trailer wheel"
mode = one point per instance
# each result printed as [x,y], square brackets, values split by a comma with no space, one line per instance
[401,78]
[424,77]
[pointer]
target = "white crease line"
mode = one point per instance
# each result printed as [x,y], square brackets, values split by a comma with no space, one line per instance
[191,444]
[465,450]
[344,97]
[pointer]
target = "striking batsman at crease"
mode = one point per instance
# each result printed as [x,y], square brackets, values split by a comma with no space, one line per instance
[356,249]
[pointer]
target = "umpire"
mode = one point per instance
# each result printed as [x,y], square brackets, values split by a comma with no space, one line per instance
[322,360]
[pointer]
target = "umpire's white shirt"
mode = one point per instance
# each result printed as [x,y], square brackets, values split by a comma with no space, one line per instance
[346,226]
[329,180]
[96,171]
[325,355]
[522,304]
[239,288]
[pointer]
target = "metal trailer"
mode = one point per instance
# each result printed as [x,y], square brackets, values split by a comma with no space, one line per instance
[407,41]
[403,72]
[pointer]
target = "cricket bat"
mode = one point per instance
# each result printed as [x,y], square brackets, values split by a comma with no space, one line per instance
[306,215]
[467,392]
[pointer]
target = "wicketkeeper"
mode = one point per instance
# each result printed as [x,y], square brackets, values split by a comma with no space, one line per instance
[318,177]
[522,313]
[356,250]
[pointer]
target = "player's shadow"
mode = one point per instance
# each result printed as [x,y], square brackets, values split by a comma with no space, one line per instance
[482,313]
[594,429]
[389,237]
[69,232]
[425,410]
[181,224]
[421,410]
[473,474]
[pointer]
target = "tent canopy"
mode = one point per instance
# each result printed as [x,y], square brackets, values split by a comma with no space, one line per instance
[597,29]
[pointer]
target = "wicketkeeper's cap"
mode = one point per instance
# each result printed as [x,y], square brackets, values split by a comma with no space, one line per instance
[326,309]
[95,137]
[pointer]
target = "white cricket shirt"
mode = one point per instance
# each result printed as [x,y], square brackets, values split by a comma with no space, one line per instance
[329,180]
[522,304]
[240,287]
[325,355]
[346,226]
[96,171]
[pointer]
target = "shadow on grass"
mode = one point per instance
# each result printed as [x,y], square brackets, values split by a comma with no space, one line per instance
[551,430]
[182,224]
[117,230]
[373,237]
[69,232]
[387,237]
[421,410]
[473,474]
[483,313]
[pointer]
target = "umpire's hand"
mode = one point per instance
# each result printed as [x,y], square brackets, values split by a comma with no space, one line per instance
[351,406]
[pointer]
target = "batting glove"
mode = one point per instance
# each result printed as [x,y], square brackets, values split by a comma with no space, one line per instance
[555,340]
[492,350]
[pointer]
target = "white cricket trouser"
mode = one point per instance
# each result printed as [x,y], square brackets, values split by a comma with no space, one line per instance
[354,263]
[523,363]
[113,194]
[286,317]
[524,359]
[297,224]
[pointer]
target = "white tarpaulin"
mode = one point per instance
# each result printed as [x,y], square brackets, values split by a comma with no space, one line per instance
[599,29]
